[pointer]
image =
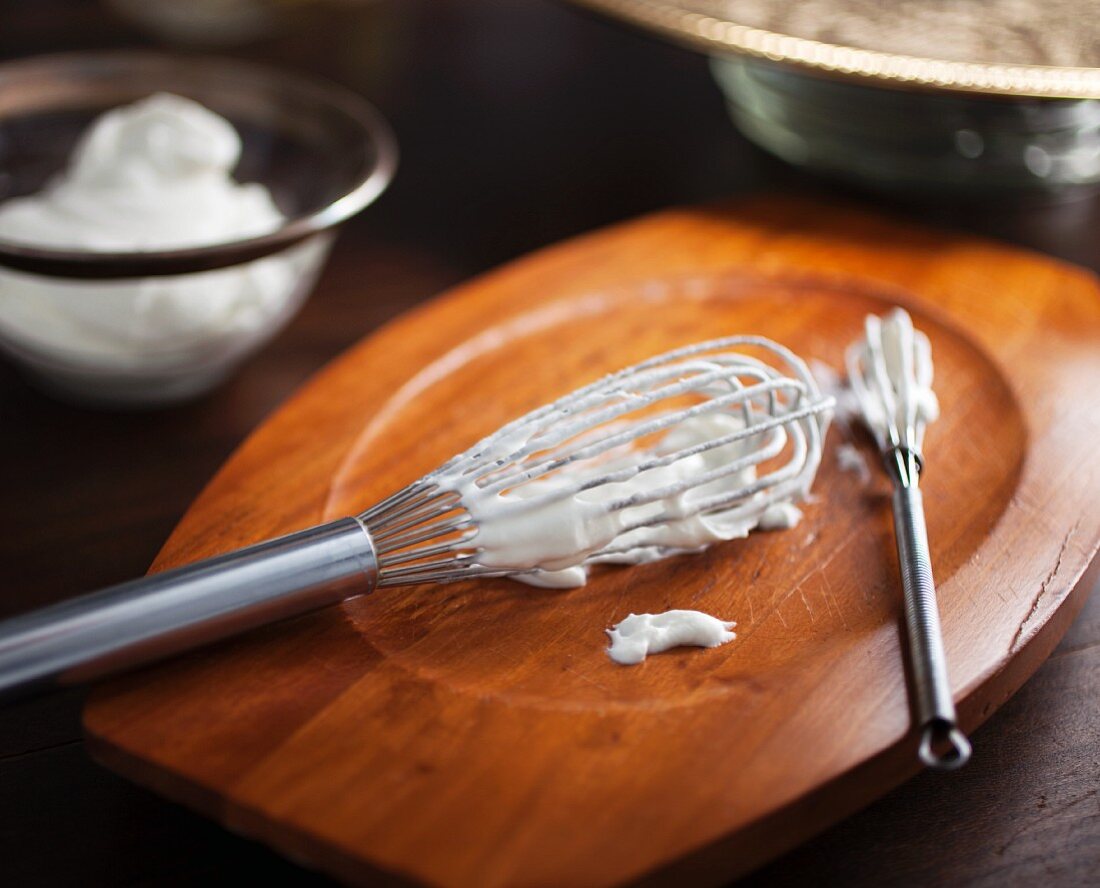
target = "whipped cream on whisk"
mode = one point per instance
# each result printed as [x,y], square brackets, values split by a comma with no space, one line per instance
[564,535]
[699,445]
[895,393]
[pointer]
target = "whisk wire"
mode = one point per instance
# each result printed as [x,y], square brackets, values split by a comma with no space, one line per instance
[652,426]
[425,533]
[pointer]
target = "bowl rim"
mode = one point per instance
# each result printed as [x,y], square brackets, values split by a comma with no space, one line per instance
[77,263]
[686,24]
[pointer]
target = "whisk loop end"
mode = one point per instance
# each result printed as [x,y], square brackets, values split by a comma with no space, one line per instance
[953,742]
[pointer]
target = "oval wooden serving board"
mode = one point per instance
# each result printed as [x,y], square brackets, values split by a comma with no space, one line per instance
[477,734]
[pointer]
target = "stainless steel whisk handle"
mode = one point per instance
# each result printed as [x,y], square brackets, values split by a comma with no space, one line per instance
[935,706]
[168,612]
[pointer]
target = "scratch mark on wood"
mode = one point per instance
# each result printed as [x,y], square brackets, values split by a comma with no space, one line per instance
[1018,638]
[584,677]
[38,750]
[830,597]
[1045,818]
[809,609]
[798,587]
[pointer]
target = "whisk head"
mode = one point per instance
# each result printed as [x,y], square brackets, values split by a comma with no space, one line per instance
[890,373]
[614,456]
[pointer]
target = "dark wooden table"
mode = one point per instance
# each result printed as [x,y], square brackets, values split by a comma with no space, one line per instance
[520,123]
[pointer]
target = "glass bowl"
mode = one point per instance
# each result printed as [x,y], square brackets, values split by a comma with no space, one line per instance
[150,327]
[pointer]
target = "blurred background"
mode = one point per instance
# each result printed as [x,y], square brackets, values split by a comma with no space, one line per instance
[519,123]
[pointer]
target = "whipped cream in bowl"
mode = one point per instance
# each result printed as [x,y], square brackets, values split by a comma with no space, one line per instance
[148,245]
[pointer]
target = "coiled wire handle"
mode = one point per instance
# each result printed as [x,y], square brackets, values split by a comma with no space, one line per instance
[935,707]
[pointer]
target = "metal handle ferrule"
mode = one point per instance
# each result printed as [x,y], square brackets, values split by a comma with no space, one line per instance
[167,612]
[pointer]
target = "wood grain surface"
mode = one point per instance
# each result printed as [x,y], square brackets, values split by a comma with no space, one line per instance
[478,735]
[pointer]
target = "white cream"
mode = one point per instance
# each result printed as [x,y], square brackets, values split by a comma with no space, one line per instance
[153,175]
[539,524]
[780,516]
[642,634]
[850,459]
[835,386]
[149,176]
[890,371]
[696,446]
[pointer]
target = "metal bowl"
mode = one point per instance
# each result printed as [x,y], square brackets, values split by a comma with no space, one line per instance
[993,99]
[911,141]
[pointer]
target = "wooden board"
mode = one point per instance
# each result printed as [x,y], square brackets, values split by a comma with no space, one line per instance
[477,734]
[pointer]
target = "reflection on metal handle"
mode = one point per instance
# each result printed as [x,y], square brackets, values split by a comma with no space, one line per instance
[178,609]
[935,707]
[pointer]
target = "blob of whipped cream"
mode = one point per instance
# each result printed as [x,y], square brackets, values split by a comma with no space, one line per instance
[642,634]
[153,175]
[890,372]
[539,523]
